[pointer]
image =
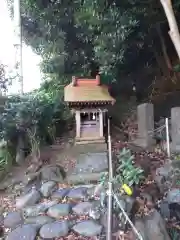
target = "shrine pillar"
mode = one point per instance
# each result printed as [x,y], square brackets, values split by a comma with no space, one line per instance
[101,123]
[78,123]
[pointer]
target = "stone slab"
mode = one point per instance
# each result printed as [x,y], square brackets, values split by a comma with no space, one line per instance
[91,163]
[175,148]
[84,178]
[145,115]
[175,129]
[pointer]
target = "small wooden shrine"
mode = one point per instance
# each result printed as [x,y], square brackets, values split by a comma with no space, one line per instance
[89,101]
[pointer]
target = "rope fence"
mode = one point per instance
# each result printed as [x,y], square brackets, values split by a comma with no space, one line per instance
[159,130]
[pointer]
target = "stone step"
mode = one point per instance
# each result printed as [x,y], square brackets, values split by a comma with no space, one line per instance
[84,178]
[89,140]
[92,147]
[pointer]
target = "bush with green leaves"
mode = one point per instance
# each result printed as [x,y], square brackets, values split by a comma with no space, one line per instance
[127,172]
[5,159]
[36,116]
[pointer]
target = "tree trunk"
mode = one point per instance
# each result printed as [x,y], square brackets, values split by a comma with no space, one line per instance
[174,31]
[159,61]
[20,155]
[163,46]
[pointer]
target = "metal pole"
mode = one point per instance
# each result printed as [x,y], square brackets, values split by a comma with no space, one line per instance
[127,218]
[167,139]
[18,43]
[110,152]
[110,205]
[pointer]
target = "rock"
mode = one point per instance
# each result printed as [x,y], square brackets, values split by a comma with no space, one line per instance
[34,211]
[173,196]
[159,180]
[34,167]
[115,221]
[88,228]
[82,208]
[52,173]
[164,209]
[95,210]
[148,199]
[29,199]
[78,193]
[54,230]
[155,227]
[164,171]
[47,188]
[39,220]
[31,177]
[139,225]
[1,233]
[28,187]
[152,227]
[59,210]
[175,211]
[60,193]
[1,219]
[96,190]
[1,210]
[163,177]
[129,203]
[91,162]
[13,219]
[25,232]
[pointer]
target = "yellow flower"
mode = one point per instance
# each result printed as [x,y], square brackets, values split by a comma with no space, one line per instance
[127,189]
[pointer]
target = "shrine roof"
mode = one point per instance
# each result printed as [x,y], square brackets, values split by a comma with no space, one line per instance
[87,90]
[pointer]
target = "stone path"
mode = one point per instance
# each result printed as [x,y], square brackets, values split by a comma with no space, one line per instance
[46,208]
[52,212]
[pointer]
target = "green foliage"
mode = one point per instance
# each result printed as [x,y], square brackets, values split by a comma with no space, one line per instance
[37,117]
[119,38]
[5,157]
[40,108]
[177,68]
[103,179]
[71,35]
[5,78]
[126,171]
[174,233]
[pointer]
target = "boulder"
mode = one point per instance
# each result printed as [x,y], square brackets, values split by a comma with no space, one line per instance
[34,211]
[47,188]
[29,199]
[88,228]
[54,230]
[13,219]
[39,221]
[27,232]
[59,210]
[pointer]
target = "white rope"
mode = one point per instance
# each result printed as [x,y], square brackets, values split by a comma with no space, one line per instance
[126,216]
[159,129]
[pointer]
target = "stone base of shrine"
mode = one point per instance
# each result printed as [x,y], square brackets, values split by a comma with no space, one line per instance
[87,140]
[144,143]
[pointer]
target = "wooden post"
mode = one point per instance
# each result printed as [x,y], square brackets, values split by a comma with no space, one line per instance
[78,123]
[101,123]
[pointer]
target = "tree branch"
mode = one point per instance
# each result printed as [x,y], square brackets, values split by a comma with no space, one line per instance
[174,31]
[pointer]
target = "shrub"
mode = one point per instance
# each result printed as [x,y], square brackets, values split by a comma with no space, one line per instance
[34,117]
